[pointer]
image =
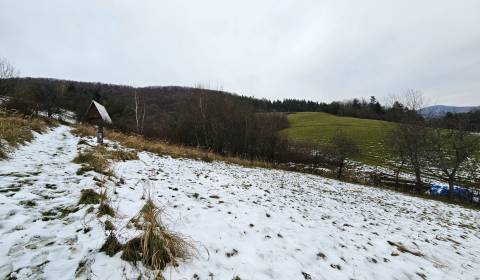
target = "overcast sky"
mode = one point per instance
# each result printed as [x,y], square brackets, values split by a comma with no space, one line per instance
[320,50]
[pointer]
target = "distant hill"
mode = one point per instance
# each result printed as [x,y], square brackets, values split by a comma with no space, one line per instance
[441,110]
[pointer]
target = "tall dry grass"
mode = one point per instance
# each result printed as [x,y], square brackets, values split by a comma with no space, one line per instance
[156,247]
[16,130]
[163,148]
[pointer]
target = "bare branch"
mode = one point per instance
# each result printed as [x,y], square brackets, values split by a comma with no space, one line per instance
[7,70]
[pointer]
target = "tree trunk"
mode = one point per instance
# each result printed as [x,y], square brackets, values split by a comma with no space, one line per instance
[397,174]
[340,170]
[136,111]
[143,117]
[451,184]
[418,180]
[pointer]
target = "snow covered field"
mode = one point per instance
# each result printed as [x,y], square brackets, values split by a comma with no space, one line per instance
[247,222]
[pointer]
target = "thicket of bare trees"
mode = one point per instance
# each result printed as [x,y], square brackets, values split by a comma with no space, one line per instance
[31,100]
[216,122]
[421,143]
[451,150]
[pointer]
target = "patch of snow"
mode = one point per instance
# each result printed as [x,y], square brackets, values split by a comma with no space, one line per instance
[40,178]
[64,115]
[283,223]
[251,222]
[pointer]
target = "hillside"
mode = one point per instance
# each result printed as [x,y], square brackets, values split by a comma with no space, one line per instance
[317,127]
[253,223]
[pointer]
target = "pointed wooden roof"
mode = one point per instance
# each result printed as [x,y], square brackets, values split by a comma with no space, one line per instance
[97,113]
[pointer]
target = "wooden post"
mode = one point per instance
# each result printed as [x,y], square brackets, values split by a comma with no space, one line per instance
[98,116]
[99,134]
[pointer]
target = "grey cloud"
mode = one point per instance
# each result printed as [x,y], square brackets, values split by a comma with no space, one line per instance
[320,50]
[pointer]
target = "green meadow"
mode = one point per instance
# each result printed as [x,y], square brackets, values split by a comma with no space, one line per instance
[316,127]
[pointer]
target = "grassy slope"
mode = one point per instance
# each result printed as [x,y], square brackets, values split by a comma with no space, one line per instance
[16,130]
[316,127]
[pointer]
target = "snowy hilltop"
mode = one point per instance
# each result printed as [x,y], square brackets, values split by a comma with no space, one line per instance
[243,223]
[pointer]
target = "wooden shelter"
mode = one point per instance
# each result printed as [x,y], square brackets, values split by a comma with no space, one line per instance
[98,116]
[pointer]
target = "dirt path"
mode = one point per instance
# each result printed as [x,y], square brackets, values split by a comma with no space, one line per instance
[42,231]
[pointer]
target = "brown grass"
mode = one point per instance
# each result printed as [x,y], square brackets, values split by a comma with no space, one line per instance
[96,159]
[16,130]
[111,245]
[93,159]
[105,209]
[163,148]
[156,247]
[90,196]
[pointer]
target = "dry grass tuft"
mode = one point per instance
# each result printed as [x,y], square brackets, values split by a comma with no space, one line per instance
[109,225]
[83,130]
[105,209]
[89,196]
[93,159]
[111,245]
[156,247]
[122,155]
[96,159]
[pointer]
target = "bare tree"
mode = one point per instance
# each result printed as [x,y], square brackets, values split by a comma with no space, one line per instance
[408,139]
[139,112]
[414,100]
[450,150]
[7,71]
[339,149]
[408,143]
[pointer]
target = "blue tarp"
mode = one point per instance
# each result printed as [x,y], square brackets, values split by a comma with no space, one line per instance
[442,190]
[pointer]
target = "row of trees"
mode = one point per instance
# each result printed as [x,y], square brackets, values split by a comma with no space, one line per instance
[471,120]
